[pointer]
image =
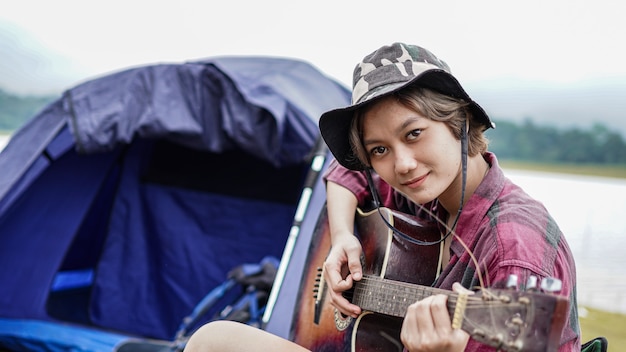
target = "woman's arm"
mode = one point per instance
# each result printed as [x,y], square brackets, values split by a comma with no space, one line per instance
[343,265]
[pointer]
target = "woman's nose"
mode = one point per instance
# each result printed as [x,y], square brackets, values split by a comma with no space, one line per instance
[405,160]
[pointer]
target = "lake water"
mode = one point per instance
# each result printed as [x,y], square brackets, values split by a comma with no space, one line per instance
[591,212]
[3,141]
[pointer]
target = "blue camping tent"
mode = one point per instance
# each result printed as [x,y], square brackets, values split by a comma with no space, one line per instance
[130,197]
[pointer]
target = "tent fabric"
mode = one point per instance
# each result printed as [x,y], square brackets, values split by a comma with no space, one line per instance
[25,156]
[33,335]
[210,231]
[155,182]
[253,100]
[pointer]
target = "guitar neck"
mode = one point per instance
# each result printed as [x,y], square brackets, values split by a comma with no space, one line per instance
[392,298]
[505,319]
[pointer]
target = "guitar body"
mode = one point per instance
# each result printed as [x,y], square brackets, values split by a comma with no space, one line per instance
[385,255]
[398,273]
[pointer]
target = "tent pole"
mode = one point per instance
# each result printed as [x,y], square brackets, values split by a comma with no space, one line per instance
[318,160]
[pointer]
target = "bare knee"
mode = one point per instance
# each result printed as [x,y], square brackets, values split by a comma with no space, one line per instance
[229,336]
[214,336]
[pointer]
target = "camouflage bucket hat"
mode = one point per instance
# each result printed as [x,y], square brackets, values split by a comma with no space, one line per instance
[381,73]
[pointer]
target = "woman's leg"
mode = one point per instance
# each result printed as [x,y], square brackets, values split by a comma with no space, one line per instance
[229,336]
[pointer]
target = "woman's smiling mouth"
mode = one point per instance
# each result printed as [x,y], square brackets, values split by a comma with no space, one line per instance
[416,182]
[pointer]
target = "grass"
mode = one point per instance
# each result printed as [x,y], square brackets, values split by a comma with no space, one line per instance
[596,323]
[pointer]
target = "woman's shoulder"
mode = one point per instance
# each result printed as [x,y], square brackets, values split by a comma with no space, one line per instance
[514,204]
[521,231]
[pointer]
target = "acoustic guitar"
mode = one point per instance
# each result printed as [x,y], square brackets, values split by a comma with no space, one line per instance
[397,273]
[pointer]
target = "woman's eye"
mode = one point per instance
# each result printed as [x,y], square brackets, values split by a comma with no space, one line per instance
[414,133]
[378,150]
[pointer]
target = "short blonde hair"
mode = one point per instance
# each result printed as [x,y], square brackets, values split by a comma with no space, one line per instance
[436,106]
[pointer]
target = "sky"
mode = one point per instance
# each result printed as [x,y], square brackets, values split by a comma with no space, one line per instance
[50,46]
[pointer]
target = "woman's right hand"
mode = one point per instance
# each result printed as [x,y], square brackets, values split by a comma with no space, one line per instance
[341,269]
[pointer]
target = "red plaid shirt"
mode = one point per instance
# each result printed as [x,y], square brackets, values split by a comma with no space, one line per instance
[507,231]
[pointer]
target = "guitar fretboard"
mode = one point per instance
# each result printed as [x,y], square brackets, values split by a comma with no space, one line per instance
[391,297]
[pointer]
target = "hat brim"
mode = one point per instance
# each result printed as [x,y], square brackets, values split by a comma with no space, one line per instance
[335,124]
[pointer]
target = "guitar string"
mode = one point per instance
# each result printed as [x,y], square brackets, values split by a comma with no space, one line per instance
[392,288]
[469,324]
[472,301]
[490,306]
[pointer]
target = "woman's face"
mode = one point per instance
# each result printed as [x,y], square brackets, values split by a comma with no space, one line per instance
[417,156]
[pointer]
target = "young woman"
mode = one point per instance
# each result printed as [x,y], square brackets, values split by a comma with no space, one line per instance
[413,141]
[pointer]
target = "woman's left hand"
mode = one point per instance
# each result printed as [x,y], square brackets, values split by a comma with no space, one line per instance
[427,326]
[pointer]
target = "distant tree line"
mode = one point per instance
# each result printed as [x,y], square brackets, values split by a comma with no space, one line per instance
[16,110]
[530,142]
[525,141]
